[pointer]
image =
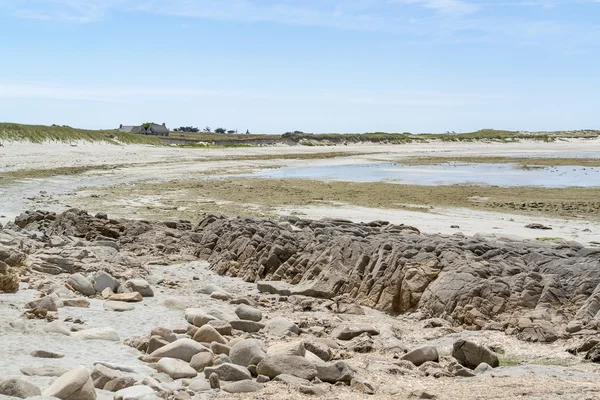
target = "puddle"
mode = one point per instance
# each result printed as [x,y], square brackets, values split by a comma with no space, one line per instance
[445,174]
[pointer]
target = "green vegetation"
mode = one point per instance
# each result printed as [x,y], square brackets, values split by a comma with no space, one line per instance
[41,133]
[548,239]
[229,196]
[406,137]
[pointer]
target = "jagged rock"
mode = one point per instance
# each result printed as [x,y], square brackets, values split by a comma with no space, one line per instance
[19,388]
[279,364]
[228,372]
[421,355]
[9,280]
[470,354]
[74,385]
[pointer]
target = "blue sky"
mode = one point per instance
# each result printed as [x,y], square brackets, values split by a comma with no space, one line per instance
[314,65]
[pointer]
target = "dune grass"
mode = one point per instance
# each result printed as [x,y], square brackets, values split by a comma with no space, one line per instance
[41,133]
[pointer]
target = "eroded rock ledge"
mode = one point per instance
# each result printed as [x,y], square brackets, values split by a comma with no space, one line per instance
[538,291]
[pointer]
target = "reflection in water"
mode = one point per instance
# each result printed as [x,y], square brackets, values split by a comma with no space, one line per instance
[444,174]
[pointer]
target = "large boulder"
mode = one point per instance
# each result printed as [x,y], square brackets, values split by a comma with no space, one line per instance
[181,349]
[19,388]
[247,352]
[470,354]
[278,364]
[76,384]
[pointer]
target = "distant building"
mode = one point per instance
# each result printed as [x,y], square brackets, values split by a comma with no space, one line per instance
[151,129]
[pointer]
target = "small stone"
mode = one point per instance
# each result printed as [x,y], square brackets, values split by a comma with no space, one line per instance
[81,284]
[262,379]
[118,306]
[97,334]
[132,297]
[219,348]
[46,354]
[213,379]
[279,364]
[246,326]
[243,387]
[57,327]
[19,388]
[362,385]
[349,332]
[119,383]
[140,286]
[218,295]
[77,303]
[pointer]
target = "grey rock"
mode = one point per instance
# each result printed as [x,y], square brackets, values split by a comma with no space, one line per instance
[176,369]
[19,388]
[349,332]
[247,352]
[421,355]
[470,354]
[334,372]
[242,387]
[228,372]
[182,349]
[248,313]
[138,392]
[201,360]
[278,364]
[141,286]
[246,326]
[74,385]
[46,354]
[280,326]
[81,284]
[102,280]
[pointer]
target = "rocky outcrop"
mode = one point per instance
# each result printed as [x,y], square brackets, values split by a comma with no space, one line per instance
[471,281]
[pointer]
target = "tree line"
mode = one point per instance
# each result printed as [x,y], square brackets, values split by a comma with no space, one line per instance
[193,129]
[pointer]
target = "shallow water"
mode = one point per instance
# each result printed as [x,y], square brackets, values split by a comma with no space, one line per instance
[445,174]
